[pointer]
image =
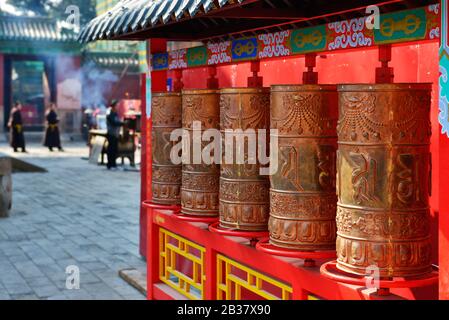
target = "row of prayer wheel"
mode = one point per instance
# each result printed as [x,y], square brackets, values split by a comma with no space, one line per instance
[354,169]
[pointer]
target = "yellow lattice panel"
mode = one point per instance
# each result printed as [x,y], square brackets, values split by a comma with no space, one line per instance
[236,282]
[181,265]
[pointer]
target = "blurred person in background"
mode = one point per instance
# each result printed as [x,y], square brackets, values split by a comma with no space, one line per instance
[52,137]
[15,124]
[114,124]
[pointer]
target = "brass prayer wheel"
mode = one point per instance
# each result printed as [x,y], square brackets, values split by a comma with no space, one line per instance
[200,181]
[383,179]
[166,177]
[244,193]
[303,198]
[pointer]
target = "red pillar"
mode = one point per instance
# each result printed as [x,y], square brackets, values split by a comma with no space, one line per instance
[154,81]
[310,76]
[255,81]
[212,81]
[444,216]
[385,74]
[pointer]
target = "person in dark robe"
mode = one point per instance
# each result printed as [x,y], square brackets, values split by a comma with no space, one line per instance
[114,124]
[15,124]
[52,138]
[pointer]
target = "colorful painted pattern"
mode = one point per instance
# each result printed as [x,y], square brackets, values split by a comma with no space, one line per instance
[444,67]
[309,40]
[196,56]
[219,53]
[407,25]
[244,49]
[274,45]
[403,26]
[159,61]
[349,34]
[177,59]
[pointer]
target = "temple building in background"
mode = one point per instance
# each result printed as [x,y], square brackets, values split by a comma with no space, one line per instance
[42,62]
[34,56]
[116,68]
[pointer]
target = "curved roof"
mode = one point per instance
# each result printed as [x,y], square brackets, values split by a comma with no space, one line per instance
[135,15]
[33,29]
[202,20]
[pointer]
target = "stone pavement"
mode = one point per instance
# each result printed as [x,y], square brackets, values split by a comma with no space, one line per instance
[77,214]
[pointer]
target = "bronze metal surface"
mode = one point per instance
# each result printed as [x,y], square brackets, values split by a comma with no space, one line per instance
[303,198]
[200,182]
[244,193]
[383,180]
[166,180]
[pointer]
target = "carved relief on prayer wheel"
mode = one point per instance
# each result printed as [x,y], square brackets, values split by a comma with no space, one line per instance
[166,178]
[200,181]
[244,192]
[303,198]
[383,181]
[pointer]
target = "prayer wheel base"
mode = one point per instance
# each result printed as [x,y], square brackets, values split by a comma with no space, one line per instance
[198,214]
[194,213]
[165,203]
[159,206]
[253,236]
[302,247]
[383,272]
[196,218]
[243,227]
[331,271]
[309,257]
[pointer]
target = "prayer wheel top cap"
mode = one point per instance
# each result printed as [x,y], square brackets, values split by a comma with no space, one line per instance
[166,94]
[244,90]
[199,91]
[303,87]
[384,87]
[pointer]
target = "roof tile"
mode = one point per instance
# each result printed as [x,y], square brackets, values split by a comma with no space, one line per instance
[137,15]
[35,29]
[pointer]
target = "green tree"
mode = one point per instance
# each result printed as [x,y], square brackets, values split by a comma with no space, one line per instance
[57,8]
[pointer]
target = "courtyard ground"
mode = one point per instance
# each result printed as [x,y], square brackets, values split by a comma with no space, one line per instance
[76,214]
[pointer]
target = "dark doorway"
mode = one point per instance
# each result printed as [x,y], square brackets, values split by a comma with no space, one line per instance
[31,80]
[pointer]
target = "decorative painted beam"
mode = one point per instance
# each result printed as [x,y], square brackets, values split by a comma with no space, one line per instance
[419,24]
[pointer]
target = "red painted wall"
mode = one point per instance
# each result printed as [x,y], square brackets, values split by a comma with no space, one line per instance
[147,236]
[412,63]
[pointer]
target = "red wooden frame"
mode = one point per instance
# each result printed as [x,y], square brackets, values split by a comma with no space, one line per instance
[304,281]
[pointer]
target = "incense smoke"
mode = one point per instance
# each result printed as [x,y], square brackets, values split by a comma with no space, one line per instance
[96,83]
